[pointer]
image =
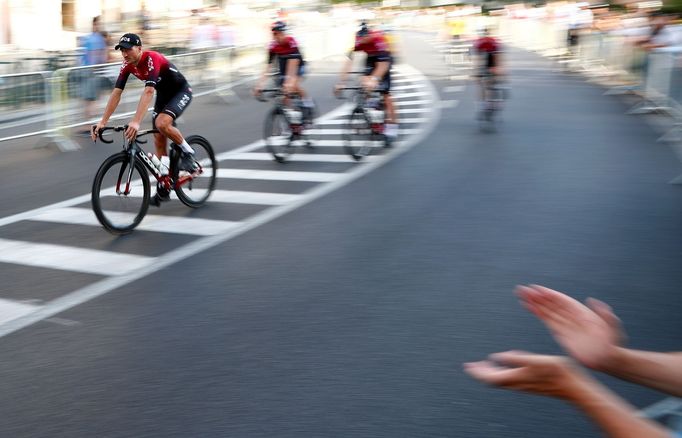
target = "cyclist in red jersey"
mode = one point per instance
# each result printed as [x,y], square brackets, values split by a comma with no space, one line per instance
[173,95]
[489,65]
[290,69]
[377,69]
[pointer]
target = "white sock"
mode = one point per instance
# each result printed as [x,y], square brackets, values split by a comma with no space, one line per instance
[186,147]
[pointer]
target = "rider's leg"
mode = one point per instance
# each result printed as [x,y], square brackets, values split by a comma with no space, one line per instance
[390,109]
[160,143]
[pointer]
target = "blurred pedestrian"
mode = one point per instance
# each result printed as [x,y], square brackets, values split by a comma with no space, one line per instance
[94,53]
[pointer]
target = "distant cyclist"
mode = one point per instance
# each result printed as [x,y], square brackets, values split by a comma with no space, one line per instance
[377,70]
[290,67]
[489,63]
[173,95]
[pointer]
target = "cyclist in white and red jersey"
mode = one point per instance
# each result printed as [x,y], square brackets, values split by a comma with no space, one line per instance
[377,70]
[173,95]
[290,67]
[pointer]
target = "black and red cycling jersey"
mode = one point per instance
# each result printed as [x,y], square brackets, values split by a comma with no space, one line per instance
[375,45]
[287,49]
[156,71]
[489,47]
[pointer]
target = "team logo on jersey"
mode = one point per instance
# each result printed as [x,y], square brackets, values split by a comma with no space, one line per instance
[150,64]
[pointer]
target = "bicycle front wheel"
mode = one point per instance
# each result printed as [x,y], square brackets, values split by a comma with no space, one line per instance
[194,189]
[278,136]
[358,136]
[120,194]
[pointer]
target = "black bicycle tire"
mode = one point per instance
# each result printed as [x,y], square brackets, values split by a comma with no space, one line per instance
[97,185]
[267,130]
[357,153]
[199,140]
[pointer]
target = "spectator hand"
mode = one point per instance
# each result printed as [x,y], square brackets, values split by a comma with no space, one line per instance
[553,376]
[590,334]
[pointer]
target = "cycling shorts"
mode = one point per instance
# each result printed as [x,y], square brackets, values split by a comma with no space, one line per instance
[172,104]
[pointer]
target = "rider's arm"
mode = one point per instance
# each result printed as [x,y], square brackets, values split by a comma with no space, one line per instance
[292,67]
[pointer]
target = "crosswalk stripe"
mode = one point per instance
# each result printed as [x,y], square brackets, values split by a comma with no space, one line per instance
[255,198]
[409,102]
[278,175]
[339,143]
[69,258]
[413,110]
[321,158]
[151,222]
[10,310]
[415,94]
[344,121]
[408,87]
[341,131]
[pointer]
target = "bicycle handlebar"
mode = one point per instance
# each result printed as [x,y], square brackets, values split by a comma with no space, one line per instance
[123,128]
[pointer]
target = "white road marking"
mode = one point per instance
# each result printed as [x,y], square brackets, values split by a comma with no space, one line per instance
[151,222]
[447,103]
[406,120]
[152,265]
[69,258]
[453,89]
[412,110]
[341,131]
[320,158]
[10,310]
[415,94]
[278,175]
[406,87]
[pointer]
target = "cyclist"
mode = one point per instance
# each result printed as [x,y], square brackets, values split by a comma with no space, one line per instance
[291,67]
[377,69]
[489,65]
[173,95]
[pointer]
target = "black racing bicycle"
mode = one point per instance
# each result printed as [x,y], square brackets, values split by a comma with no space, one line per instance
[121,191]
[285,124]
[365,125]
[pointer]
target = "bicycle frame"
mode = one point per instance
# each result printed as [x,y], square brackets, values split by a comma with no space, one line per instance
[134,151]
[282,105]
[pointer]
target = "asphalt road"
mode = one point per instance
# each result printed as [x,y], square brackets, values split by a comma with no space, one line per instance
[351,314]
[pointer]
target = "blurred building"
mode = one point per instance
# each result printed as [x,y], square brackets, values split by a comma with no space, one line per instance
[57,24]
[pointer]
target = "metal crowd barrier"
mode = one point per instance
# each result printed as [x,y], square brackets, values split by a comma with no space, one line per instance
[57,98]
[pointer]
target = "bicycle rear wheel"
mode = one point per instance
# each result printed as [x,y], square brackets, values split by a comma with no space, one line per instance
[120,195]
[278,135]
[358,136]
[194,189]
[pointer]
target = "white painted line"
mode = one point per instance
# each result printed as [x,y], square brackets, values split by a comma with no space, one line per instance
[278,175]
[410,102]
[447,103]
[10,310]
[407,87]
[341,131]
[401,80]
[109,284]
[151,222]
[415,94]
[255,198]
[413,110]
[69,258]
[337,122]
[340,143]
[319,158]
[453,89]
